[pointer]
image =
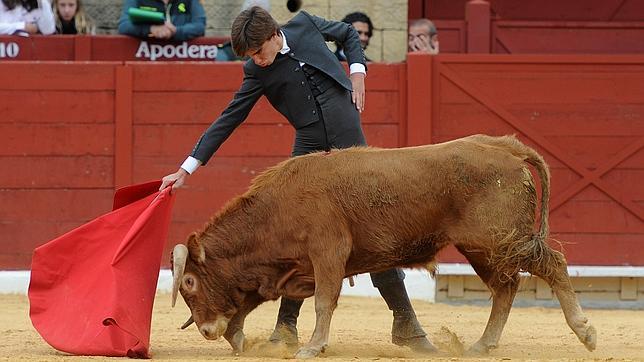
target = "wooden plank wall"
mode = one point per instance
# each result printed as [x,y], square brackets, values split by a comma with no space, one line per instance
[536,10]
[82,48]
[72,132]
[585,115]
[56,154]
[566,37]
[535,26]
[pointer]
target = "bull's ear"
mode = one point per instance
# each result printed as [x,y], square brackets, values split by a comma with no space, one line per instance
[196,249]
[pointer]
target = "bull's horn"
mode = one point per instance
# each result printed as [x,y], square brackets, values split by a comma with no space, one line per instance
[179,257]
[188,323]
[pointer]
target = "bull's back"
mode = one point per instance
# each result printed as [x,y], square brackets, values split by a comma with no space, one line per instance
[419,189]
[405,204]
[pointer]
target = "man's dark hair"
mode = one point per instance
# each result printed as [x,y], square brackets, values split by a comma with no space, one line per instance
[361,17]
[251,29]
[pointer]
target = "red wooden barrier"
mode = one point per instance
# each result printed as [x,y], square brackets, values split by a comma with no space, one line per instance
[72,132]
[585,115]
[536,10]
[106,48]
[536,26]
[539,37]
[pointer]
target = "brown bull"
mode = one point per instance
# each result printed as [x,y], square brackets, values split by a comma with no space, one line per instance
[311,221]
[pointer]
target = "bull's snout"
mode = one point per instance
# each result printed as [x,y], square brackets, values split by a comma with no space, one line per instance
[212,330]
[209,331]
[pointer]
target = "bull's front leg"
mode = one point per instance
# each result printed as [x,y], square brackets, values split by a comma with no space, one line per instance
[235,332]
[327,291]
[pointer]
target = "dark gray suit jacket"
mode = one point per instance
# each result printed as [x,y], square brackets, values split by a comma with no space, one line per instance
[283,82]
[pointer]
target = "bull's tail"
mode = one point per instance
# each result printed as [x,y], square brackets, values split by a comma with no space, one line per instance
[533,253]
[535,159]
[530,156]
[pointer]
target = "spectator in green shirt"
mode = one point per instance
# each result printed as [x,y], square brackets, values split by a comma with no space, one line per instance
[184,20]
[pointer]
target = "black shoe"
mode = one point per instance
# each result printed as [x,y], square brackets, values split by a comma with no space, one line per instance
[286,326]
[418,344]
[406,331]
[284,333]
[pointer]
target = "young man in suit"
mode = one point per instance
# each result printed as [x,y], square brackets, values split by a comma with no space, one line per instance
[304,81]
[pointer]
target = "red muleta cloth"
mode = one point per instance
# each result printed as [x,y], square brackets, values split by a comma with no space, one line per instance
[92,289]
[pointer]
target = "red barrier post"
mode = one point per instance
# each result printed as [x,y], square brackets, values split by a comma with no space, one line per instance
[123,127]
[477,17]
[419,99]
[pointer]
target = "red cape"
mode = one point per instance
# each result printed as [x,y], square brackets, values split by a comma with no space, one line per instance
[92,289]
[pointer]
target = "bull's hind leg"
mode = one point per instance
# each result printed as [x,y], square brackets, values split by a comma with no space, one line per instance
[554,271]
[503,289]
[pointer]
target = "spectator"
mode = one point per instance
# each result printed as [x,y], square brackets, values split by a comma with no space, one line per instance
[292,67]
[71,18]
[361,22]
[422,36]
[25,17]
[184,20]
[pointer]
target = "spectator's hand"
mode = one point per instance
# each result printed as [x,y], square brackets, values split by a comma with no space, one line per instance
[421,44]
[160,32]
[358,93]
[31,28]
[424,44]
[171,27]
[179,178]
[434,46]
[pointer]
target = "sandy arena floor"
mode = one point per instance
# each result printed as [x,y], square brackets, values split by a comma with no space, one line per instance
[360,330]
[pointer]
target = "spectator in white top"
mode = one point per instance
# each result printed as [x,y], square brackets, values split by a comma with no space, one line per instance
[25,17]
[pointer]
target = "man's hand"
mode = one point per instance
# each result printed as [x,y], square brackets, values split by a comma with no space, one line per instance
[358,93]
[165,31]
[421,43]
[171,28]
[31,28]
[424,44]
[178,178]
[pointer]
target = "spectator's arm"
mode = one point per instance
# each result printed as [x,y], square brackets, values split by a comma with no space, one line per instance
[46,23]
[126,27]
[197,25]
[11,28]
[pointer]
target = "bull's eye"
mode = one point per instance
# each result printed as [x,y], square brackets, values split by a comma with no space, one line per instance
[189,283]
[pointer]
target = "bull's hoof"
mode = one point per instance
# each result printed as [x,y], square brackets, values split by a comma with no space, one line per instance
[419,344]
[308,352]
[589,339]
[479,348]
[236,341]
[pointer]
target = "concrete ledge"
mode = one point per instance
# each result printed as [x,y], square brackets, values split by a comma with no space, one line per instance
[14,282]
[615,287]
[573,270]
